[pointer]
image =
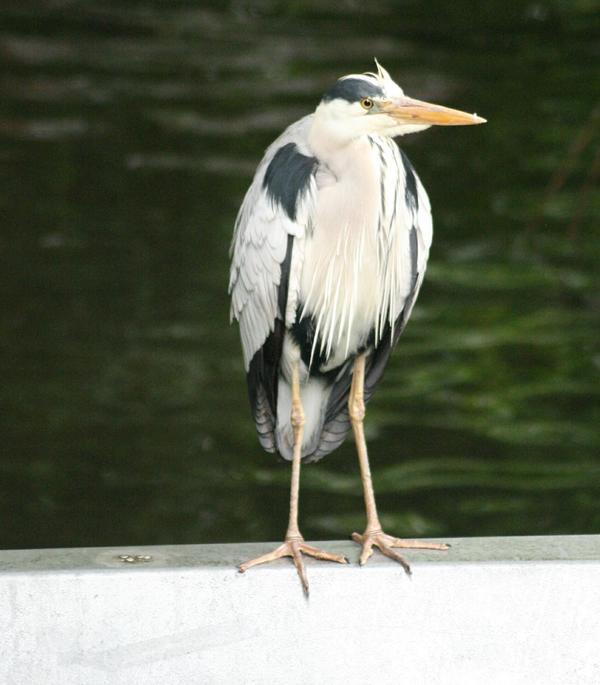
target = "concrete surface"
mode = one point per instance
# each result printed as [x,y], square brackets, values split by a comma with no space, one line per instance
[490,610]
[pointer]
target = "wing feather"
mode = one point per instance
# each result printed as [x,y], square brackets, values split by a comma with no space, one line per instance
[275,212]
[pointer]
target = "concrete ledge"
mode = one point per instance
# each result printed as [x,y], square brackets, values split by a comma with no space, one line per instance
[493,610]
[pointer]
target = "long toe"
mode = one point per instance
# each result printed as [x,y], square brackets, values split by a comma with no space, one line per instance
[299,564]
[389,552]
[417,544]
[367,547]
[385,543]
[322,554]
[281,551]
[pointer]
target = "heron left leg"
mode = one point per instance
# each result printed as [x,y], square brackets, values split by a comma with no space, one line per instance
[294,545]
[373,534]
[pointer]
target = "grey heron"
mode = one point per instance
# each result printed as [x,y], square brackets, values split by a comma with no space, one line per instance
[328,255]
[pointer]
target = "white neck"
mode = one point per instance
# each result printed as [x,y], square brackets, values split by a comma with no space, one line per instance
[331,143]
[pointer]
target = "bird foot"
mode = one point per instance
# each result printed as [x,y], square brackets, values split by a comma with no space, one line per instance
[295,547]
[386,542]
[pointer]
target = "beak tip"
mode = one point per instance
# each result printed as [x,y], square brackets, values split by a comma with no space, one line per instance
[478,120]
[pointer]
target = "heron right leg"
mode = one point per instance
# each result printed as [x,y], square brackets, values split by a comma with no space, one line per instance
[374,535]
[294,545]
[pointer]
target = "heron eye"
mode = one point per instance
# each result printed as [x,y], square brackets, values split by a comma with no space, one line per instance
[366,103]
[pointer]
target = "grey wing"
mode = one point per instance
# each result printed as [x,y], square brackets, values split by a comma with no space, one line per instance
[409,217]
[270,225]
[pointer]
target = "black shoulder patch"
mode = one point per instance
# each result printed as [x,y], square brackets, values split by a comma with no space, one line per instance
[411,193]
[287,177]
[353,90]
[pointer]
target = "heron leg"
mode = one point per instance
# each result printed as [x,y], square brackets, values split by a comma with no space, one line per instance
[373,534]
[294,545]
[298,420]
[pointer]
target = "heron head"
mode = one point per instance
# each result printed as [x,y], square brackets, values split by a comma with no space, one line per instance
[372,103]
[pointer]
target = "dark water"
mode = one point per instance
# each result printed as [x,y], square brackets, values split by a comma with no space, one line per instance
[128,134]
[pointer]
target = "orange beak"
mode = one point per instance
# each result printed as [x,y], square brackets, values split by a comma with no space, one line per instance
[409,111]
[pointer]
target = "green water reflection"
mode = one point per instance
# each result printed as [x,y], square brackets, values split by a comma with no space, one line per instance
[128,134]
